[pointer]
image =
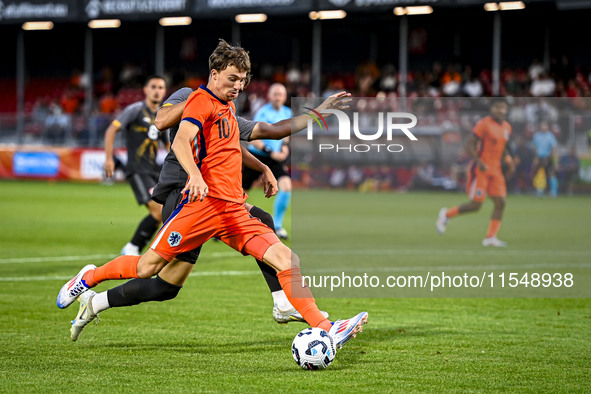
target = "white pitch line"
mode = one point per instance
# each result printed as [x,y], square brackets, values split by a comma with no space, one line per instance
[47,259]
[335,252]
[435,252]
[64,278]
[92,257]
[419,269]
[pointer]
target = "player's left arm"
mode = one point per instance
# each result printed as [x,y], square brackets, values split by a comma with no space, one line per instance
[284,128]
[269,182]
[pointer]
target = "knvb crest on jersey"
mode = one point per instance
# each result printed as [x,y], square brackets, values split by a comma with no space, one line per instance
[174,239]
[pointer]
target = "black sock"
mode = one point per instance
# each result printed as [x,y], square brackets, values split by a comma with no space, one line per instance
[145,231]
[269,273]
[136,291]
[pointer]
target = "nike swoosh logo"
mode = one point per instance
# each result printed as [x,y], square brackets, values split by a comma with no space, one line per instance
[220,114]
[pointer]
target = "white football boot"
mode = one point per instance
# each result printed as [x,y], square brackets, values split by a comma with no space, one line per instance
[343,330]
[282,233]
[494,241]
[441,223]
[73,288]
[85,314]
[130,250]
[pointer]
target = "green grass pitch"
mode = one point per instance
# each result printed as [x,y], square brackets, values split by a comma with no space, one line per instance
[218,334]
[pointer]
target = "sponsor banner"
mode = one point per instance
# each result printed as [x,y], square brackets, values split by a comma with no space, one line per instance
[573,4]
[60,163]
[233,7]
[92,164]
[376,5]
[380,5]
[134,9]
[13,11]
[35,164]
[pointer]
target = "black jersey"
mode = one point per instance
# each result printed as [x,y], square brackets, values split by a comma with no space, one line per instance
[141,138]
[173,175]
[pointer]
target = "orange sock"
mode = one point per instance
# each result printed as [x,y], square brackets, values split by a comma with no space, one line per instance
[452,212]
[122,267]
[493,228]
[303,300]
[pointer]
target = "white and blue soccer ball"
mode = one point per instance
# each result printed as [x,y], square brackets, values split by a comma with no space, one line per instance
[313,348]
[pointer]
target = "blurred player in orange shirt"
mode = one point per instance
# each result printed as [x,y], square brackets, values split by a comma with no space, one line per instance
[488,148]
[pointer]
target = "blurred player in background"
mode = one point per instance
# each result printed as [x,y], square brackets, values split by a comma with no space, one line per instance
[273,153]
[487,146]
[142,137]
[545,144]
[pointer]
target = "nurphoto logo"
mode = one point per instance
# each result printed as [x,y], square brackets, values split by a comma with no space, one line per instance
[390,123]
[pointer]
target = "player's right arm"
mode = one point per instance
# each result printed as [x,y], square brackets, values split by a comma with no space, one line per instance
[109,143]
[284,128]
[182,149]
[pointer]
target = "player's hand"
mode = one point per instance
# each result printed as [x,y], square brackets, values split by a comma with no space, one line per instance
[339,101]
[109,167]
[197,188]
[510,165]
[269,183]
[481,166]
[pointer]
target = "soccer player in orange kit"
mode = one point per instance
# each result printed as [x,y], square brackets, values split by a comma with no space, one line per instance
[488,147]
[207,146]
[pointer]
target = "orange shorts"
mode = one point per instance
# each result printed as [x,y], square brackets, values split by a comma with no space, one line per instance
[480,184]
[192,224]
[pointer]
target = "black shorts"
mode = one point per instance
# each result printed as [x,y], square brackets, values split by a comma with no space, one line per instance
[547,163]
[142,186]
[249,176]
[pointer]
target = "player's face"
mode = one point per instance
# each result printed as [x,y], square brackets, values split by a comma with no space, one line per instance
[155,90]
[227,84]
[277,97]
[499,111]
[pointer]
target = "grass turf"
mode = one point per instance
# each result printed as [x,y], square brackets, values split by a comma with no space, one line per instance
[218,334]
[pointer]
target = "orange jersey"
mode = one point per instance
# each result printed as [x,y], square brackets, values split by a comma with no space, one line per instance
[493,139]
[216,148]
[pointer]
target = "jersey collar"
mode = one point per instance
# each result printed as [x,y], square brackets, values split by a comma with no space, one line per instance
[214,96]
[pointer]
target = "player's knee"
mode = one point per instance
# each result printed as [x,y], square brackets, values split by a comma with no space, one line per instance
[263,216]
[164,291]
[288,259]
[500,203]
[145,272]
[280,257]
[148,267]
[155,211]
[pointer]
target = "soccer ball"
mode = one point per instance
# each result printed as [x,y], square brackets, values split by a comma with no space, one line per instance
[313,348]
